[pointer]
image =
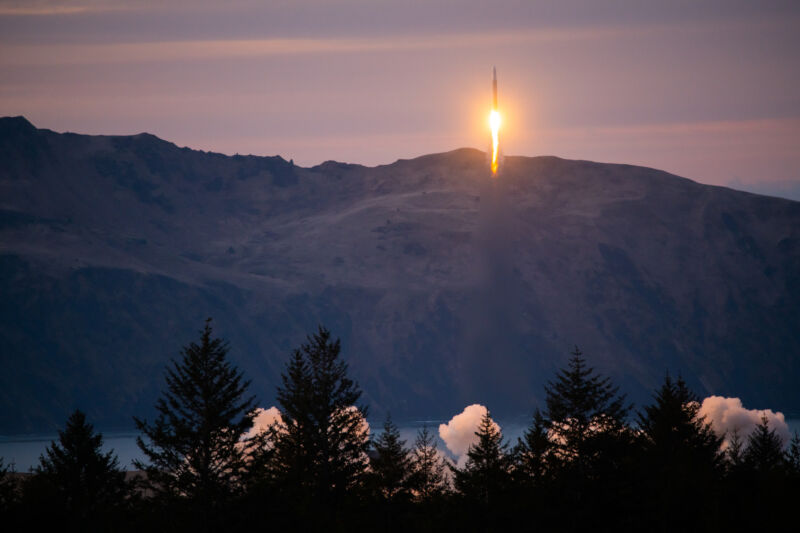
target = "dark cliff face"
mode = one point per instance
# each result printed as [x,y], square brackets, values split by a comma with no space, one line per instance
[446,287]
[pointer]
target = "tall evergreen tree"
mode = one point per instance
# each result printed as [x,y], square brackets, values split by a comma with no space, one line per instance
[429,479]
[8,487]
[764,452]
[793,455]
[391,464]
[759,478]
[734,452]
[592,448]
[387,479]
[319,453]
[736,490]
[674,435]
[583,411]
[78,484]
[532,453]
[193,447]
[681,455]
[486,475]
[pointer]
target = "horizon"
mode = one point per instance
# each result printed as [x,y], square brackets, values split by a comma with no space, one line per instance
[788,194]
[698,91]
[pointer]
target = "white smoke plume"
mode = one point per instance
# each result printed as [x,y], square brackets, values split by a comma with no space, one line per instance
[263,420]
[267,417]
[727,415]
[459,433]
[363,426]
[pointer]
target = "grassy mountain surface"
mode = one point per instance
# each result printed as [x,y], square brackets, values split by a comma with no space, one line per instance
[446,286]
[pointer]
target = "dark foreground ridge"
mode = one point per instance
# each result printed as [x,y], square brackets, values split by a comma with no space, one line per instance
[446,287]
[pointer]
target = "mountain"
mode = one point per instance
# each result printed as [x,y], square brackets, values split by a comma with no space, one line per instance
[446,286]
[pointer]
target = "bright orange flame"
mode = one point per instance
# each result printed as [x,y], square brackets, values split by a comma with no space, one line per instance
[494,124]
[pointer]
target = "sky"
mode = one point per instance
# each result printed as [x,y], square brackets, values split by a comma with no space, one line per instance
[706,90]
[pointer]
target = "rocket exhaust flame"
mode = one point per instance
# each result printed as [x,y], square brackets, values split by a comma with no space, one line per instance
[494,123]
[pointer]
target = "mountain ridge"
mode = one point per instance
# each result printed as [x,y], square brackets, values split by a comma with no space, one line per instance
[423,267]
[22,121]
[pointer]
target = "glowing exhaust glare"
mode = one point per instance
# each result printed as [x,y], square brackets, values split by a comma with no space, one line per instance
[494,121]
[494,124]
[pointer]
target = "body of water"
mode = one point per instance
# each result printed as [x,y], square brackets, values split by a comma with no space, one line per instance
[23,451]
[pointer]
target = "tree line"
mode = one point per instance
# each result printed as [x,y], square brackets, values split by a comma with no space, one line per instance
[588,461]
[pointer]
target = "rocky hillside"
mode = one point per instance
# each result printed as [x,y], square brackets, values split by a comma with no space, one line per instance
[446,286]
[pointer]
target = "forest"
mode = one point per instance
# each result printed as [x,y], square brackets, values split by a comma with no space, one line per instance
[588,461]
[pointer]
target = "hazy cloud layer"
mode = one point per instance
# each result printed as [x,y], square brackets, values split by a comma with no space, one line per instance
[695,88]
[728,415]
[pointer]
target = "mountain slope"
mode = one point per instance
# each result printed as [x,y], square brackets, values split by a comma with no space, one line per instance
[446,286]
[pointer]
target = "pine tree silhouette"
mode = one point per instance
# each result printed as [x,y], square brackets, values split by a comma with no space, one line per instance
[388,477]
[391,466]
[734,453]
[193,448]
[486,475]
[532,453]
[8,487]
[764,452]
[591,447]
[682,458]
[582,408]
[429,475]
[759,478]
[78,484]
[793,455]
[318,455]
[673,433]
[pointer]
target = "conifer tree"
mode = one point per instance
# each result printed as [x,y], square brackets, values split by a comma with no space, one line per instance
[764,452]
[592,448]
[674,435]
[429,479]
[584,414]
[759,477]
[8,487]
[532,453]
[793,455]
[681,455]
[319,452]
[486,475]
[75,481]
[193,447]
[734,453]
[391,466]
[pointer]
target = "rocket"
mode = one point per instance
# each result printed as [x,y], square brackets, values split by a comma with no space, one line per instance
[494,89]
[494,123]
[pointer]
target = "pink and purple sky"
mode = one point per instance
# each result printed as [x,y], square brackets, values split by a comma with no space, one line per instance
[707,90]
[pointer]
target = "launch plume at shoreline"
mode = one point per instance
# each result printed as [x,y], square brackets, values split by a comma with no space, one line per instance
[494,123]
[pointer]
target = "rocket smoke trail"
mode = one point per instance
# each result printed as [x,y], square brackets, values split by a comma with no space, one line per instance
[494,123]
[494,89]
